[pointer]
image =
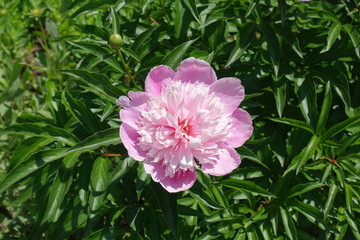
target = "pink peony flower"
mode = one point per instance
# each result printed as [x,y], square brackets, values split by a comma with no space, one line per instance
[183,121]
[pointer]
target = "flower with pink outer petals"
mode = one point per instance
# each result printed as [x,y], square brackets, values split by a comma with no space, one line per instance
[183,121]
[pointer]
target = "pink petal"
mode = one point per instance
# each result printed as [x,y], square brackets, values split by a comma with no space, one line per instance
[227,161]
[129,138]
[230,91]
[133,106]
[135,99]
[242,128]
[181,181]
[155,169]
[156,77]
[192,70]
[130,116]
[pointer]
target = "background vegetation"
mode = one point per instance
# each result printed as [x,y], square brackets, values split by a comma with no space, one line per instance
[65,175]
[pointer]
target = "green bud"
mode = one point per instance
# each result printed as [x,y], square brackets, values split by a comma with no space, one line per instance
[115,41]
[3,11]
[36,12]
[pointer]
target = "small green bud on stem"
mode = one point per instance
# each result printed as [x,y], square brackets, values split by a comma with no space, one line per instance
[115,41]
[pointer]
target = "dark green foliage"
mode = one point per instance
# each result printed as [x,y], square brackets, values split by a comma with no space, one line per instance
[64,173]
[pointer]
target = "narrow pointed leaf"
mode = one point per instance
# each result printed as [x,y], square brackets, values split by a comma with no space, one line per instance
[168,204]
[33,163]
[302,188]
[41,130]
[60,187]
[340,127]
[102,138]
[308,153]
[288,222]
[324,109]
[243,185]
[100,177]
[98,83]
[333,34]
[294,123]
[175,56]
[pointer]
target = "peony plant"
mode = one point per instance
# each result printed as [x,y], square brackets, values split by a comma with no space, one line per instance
[184,121]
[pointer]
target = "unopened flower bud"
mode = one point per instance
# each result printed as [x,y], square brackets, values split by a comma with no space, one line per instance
[36,12]
[3,11]
[115,41]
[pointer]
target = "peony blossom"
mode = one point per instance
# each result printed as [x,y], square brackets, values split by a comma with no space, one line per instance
[185,120]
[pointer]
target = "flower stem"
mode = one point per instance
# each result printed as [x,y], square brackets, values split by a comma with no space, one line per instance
[127,69]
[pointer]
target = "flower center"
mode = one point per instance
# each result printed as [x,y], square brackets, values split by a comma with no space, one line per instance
[184,129]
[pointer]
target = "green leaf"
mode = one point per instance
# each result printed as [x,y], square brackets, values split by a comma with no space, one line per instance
[342,224]
[198,194]
[103,138]
[307,153]
[223,230]
[302,188]
[340,127]
[100,52]
[354,36]
[81,112]
[181,20]
[247,153]
[98,83]
[35,183]
[131,53]
[313,215]
[251,7]
[51,27]
[243,41]
[115,21]
[168,204]
[273,45]
[143,38]
[324,109]
[27,147]
[191,4]
[41,130]
[33,163]
[288,222]
[349,198]
[333,34]
[330,200]
[92,6]
[175,56]
[60,187]
[294,123]
[122,168]
[265,229]
[108,234]
[306,93]
[243,185]
[279,88]
[100,178]
[251,233]
[353,223]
